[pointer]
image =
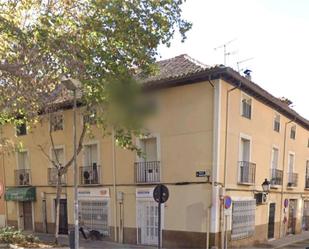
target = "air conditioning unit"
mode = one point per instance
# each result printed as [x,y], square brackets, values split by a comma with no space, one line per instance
[261,198]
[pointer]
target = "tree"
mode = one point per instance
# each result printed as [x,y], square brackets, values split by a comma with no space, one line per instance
[102,43]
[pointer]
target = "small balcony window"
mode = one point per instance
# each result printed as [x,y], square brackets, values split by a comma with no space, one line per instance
[293,132]
[21,129]
[277,123]
[246,107]
[56,122]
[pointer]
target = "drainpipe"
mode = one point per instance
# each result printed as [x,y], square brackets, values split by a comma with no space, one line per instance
[283,172]
[4,186]
[223,221]
[114,184]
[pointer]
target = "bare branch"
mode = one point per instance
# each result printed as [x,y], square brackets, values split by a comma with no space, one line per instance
[79,148]
[47,156]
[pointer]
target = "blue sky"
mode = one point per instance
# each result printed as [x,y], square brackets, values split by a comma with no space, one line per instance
[275,33]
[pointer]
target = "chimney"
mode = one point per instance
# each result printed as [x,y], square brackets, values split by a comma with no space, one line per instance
[247,73]
[286,101]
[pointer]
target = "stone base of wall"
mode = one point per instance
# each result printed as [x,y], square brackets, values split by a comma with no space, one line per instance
[2,220]
[13,223]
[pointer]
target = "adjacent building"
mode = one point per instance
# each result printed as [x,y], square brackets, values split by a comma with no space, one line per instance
[216,137]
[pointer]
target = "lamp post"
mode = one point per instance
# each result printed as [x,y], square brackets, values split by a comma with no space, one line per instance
[74,85]
[266,186]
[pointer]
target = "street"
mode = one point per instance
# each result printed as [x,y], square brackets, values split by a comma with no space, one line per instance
[301,244]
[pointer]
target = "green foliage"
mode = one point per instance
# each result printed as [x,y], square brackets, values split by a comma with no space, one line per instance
[102,43]
[10,235]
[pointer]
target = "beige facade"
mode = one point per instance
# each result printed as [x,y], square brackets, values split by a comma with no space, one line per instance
[201,147]
[2,203]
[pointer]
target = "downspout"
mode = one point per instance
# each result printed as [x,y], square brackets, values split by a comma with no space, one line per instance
[223,221]
[4,186]
[114,184]
[208,211]
[283,172]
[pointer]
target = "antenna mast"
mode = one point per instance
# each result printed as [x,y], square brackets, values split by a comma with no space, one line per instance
[225,53]
[242,61]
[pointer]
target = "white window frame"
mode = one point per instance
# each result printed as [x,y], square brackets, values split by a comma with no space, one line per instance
[92,142]
[247,97]
[152,135]
[17,158]
[64,159]
[246,137]
[291,153]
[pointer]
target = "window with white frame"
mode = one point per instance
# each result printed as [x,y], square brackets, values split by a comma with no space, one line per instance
[90,172]
[277,123]
[23,173]
[243,219]
[56,122]
[307,175]
[58,159]
[275,157]
[293,132]
[246,106]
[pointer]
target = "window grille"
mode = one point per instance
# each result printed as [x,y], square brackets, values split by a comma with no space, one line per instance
[93,215]
[243,219]
[246,108]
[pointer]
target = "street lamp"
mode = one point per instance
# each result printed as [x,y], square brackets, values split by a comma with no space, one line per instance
[266,186]
[74,85]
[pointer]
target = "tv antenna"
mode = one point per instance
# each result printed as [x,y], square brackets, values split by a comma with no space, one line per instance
[225,52]
[241,62]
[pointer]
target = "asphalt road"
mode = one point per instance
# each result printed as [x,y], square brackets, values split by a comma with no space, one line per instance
[299,245]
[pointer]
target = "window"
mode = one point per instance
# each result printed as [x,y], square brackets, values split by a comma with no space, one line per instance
[307,175]
[274,162]
[293,132]
[90,172]
[147,169]
[308,143]
[22,176]
[243,219]
[277,123]
[149,148]
[56,122]
[291,162]
[94,215]
[57,157]
[246,106]
[23,160]
[246,168]
[21,129]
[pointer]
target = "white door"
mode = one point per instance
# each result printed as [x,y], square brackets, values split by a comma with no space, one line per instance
[148,221]
[245,150]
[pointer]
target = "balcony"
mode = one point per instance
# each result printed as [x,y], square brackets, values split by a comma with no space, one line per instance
[147,172]
[22,177]
[52,177]
[246,172]
[276,176]
[292,180]
[90,175]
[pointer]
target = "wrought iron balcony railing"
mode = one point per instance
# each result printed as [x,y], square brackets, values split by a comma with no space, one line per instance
[22,177]
[53,177]
[90,174]
[276,177]
[147,172]
[292,179]
[246,172]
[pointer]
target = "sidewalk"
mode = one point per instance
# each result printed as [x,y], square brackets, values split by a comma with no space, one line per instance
[89,244]
[283,242]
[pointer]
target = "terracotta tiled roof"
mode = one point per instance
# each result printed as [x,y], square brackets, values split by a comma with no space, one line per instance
[175,68]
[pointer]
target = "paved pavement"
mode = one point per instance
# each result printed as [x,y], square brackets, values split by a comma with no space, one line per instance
[299,241]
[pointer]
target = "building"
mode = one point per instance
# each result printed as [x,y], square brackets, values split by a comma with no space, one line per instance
[216,135]
[2,203]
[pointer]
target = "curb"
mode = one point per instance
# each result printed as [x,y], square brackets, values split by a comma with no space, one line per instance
[12,246]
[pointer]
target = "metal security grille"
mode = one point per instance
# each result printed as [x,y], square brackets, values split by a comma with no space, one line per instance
[243,219]
[94,215]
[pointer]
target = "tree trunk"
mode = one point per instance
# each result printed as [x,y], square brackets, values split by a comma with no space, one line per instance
[58,196]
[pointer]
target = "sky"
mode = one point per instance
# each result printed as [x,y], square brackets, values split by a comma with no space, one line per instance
[272,35]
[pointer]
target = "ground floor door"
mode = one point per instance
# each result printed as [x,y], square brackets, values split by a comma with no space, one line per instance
[271,221]
[305,223]
[292,216]
[63,217]
[147,212]
[27,215]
